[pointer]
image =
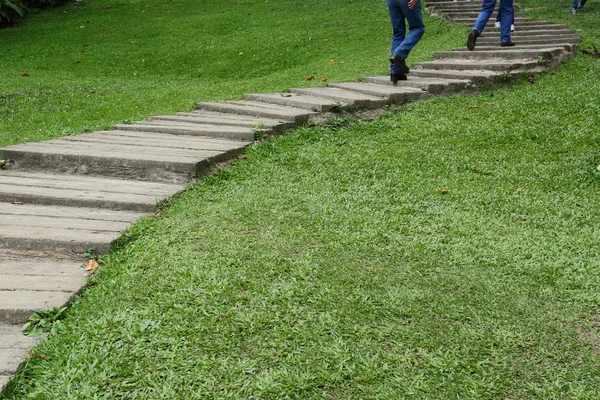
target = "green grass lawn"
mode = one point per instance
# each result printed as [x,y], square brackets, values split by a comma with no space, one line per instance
[448,249]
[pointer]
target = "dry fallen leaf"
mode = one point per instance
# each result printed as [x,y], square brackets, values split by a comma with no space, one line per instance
[471,107]
[310,77]
[323,79]
[531,78]
[443,191]
[520,190]
[241,157]
[35,355]
[331,61]
[241,53]
[91,266]
[24,73]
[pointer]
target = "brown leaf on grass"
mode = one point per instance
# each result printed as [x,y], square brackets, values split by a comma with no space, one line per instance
[472,107]
[323,79]
[520,190]
[241,157]
[443,191]
[24,73]
[36,355]
[91,266]
[531,79]
[310,77]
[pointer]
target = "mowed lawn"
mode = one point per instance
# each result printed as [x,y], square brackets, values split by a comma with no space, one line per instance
[448,249]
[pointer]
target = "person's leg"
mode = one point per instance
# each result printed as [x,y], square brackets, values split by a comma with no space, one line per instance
[575,5]
[505,9]
[398,28]
[487,8]
[416,29]
[582,5]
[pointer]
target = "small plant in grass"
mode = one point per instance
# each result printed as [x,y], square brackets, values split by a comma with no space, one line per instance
[259,129]
[91,254]
[42,321]
[336,107]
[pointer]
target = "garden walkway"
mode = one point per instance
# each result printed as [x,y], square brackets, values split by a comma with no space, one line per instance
[58,199]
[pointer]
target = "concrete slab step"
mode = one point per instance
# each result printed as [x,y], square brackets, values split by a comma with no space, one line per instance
[355,99]
[393,94]
[499,64]
[16,306]
[519,46]
[549,41]
[124,154]
[13,349]
[528,34]
[508,53]
[434,86]
[259,110]
[296,100]
[190,129]
[477,76]
[220,119]
[82,191]
[61,229]
[29,283]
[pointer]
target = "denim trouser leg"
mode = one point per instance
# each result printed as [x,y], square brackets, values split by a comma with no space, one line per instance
[487,8]
[400,14]
[506,13]
[575,3]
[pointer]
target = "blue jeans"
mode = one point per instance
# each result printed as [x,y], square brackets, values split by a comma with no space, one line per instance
[505,10]
[402,43]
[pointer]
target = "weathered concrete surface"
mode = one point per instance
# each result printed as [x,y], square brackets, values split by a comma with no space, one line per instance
[82,191]
[59,228]
[294,100]
[259,110]
[122,154]
[394,94]
[434,86]
[356,99]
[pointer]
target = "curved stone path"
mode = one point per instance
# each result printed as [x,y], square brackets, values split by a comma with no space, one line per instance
[61,197]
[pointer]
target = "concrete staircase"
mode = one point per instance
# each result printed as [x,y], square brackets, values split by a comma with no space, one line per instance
[62,197]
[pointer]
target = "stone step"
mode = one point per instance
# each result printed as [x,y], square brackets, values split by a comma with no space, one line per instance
[528,34]
[393,94]
[492,65]
[470,21]
[82,191]
[434,86]
[200,117]
[30,283]
[259,110]
[125,154]
[519,46]
[61,229]
[13,350]
[190,129]
[477,76]
[311,103]
[357,100]
[508,53]
[547,40]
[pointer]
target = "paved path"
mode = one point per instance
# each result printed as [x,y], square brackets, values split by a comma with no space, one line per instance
[64,196]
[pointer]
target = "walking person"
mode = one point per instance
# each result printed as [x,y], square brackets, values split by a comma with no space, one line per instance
[487,8]
[578,5]
[401,13]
